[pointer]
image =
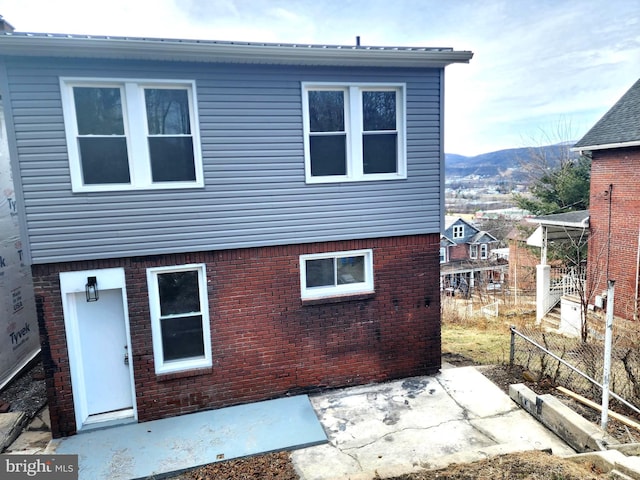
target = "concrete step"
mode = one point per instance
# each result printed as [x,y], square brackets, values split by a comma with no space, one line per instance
[11,425]
[34,438]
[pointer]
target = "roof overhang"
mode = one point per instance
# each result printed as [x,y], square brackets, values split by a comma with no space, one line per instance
[563,226]
[606,146]
[83,46]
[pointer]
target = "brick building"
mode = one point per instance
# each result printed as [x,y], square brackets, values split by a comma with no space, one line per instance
[214,223]
[614,203]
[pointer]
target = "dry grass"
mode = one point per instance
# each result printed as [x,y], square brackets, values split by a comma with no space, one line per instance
[485,340]
[484,347]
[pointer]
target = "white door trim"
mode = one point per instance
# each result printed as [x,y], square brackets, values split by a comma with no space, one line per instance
[71,283]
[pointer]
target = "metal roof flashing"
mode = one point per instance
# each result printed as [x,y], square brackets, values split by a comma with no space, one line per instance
[210,51]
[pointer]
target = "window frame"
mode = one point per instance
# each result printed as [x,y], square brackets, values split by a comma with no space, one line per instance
[458,231]
[484,251]
[354,128]
[359,288]
[473,251]
[171,366]
[136,132]
[444,254]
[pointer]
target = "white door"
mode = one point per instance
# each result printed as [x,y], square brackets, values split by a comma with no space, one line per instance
[99,347]
[104,352]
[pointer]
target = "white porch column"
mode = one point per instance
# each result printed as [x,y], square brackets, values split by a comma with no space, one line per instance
[543,284]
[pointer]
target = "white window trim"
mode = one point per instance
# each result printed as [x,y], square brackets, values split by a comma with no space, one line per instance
[444,258]
[135,131]
[353,130]
[338,290]
[458,228]
[484,251]
[156,331]
[473,251]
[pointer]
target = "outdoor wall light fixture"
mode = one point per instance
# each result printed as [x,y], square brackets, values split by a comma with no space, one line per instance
[91,289]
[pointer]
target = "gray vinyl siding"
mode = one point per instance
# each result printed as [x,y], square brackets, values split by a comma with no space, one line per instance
[250,120]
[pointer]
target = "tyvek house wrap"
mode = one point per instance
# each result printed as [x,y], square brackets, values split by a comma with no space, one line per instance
[19,338]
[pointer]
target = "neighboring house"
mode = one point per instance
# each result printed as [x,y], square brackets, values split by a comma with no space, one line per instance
[467,258]
[614,204]
[213,223]
[522,261]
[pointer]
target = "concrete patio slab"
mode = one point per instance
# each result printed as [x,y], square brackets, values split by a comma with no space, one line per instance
[415,423]
[155,448]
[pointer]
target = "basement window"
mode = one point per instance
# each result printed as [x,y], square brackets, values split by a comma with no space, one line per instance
[334,274]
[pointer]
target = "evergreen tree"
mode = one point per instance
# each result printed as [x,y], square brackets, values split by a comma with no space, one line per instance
[564,188]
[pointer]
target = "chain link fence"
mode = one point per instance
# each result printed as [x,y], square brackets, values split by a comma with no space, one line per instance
[575,364]
[555,358]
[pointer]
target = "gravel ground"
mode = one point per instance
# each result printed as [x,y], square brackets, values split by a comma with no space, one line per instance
[27,393]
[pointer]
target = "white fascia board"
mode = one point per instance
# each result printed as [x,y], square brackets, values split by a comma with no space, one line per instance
[192,50]
[606,146]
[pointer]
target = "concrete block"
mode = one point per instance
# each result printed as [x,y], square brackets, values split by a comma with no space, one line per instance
[629,466]
[11,425]
[579,433]
[605,461]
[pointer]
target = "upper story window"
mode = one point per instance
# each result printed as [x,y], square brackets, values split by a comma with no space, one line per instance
[443,254]
[354,132]
[458,231]
[338,273]
[484,251]
[131,134]
[473,251]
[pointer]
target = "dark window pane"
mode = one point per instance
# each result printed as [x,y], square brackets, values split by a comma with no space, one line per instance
[326,111]
[328,155]
[320,273]
[379,110]
[104,160]
[179,292]
[167,111]
[350,270]
[182,337]
[172,159]
[98,111]
[380,153]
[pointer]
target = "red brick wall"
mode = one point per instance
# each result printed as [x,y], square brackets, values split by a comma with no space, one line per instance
[522,265]
[459,252]
[265,342]
[621,169]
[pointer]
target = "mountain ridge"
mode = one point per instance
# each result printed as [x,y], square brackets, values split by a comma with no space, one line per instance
[505,163]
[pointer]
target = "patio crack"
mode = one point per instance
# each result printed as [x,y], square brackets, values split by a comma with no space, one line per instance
[395,432]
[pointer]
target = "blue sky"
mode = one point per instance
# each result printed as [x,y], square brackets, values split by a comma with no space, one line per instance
[543,70]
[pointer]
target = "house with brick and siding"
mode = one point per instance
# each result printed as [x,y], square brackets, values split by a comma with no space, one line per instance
[614,204]
[215,223]
[467,258]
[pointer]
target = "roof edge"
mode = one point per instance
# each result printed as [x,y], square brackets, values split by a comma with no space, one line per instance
[605,146]
[49,45]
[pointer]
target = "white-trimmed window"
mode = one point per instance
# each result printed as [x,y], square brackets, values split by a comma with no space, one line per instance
[484,251]
[338,273]
[354,132]
[473,251]
[179,317]
[131,134]
[443,254]
[458,231]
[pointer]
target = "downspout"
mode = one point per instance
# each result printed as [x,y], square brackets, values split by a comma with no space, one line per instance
[609,230]
[635,310]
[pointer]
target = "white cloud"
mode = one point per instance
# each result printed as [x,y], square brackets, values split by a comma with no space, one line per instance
[534,63]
